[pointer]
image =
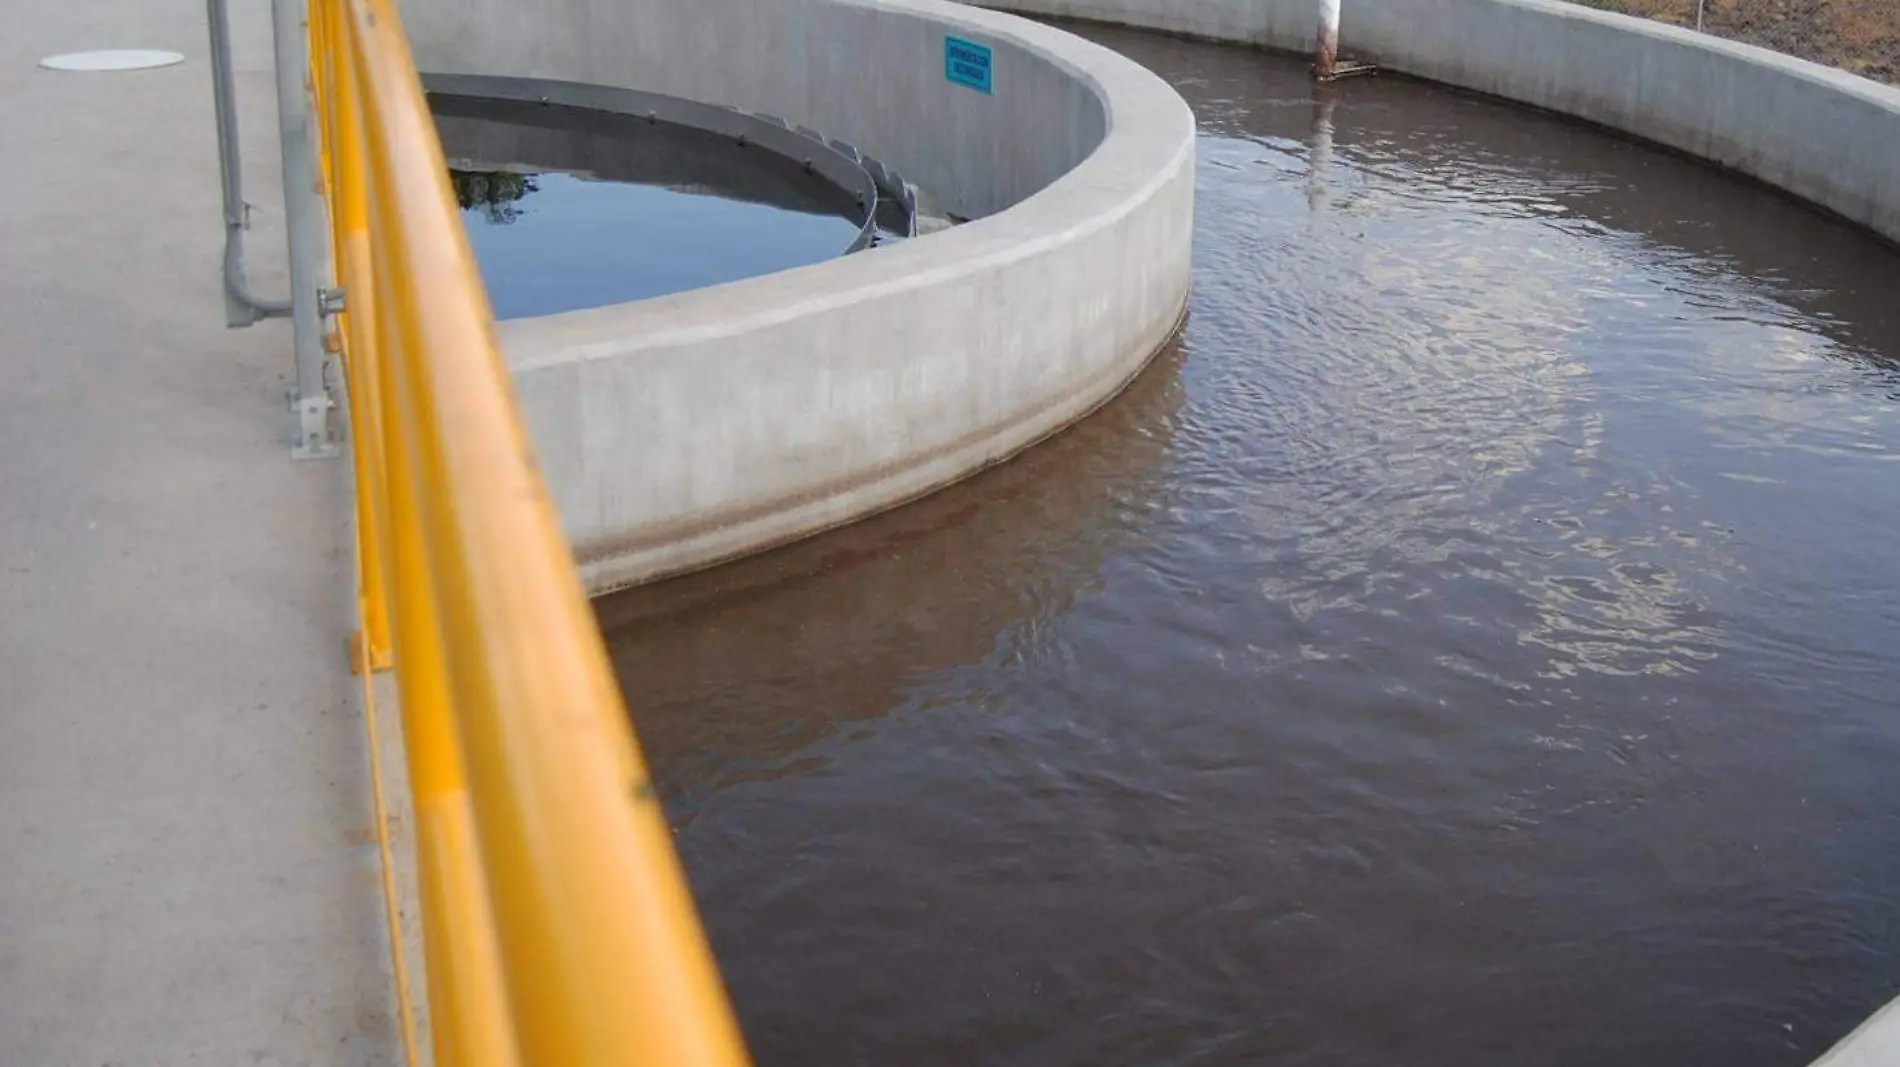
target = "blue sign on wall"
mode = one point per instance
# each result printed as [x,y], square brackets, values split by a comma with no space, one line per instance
[967,63]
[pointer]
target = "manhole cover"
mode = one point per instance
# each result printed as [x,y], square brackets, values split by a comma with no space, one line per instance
[112,59]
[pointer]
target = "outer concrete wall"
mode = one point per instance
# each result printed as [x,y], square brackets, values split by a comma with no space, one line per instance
[1283,24]
[1823,135]
[685,430]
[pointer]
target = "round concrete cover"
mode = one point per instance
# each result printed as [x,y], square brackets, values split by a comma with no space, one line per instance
[112,59]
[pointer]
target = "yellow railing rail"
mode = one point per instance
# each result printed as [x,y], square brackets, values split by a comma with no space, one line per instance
[557,926]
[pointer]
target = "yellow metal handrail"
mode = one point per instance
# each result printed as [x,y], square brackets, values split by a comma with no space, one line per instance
[557,926]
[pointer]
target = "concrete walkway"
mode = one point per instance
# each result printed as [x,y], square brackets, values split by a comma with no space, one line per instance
[189,870]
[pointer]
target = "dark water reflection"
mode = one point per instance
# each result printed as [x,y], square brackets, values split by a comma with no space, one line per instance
[1472,644]
[568,208]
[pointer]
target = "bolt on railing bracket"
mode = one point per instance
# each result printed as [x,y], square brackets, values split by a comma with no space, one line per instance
[315,438]
[330,301]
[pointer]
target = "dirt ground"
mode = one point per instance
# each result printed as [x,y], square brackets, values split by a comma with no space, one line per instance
[1862,36]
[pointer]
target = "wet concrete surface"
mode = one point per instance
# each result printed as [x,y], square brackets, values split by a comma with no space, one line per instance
[1471,642]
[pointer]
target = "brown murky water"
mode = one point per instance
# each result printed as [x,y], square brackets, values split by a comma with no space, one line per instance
[1471,643]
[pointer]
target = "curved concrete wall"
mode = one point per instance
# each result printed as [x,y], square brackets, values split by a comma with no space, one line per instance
[1826,136]
[689,429]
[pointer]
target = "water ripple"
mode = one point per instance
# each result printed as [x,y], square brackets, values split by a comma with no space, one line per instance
[1471,642]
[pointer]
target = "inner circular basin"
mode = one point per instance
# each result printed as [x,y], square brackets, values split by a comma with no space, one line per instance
[569,208]
[1472,642]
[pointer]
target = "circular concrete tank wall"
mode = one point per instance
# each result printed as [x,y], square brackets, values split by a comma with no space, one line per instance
[684,430]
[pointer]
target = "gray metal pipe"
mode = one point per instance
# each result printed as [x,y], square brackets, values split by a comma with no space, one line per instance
[242,308]
[1326,40]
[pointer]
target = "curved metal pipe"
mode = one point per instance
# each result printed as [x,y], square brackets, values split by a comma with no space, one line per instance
[242,308]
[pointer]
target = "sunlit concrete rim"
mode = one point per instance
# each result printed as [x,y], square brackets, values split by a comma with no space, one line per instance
[688,429]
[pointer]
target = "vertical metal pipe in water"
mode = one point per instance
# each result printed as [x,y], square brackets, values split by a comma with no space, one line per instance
[1326,46]
[303,216]
[1321,164]
[241,308]
[1699,5]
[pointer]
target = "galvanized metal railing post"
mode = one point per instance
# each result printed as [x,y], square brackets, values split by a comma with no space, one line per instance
[241,308]
[303,216]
